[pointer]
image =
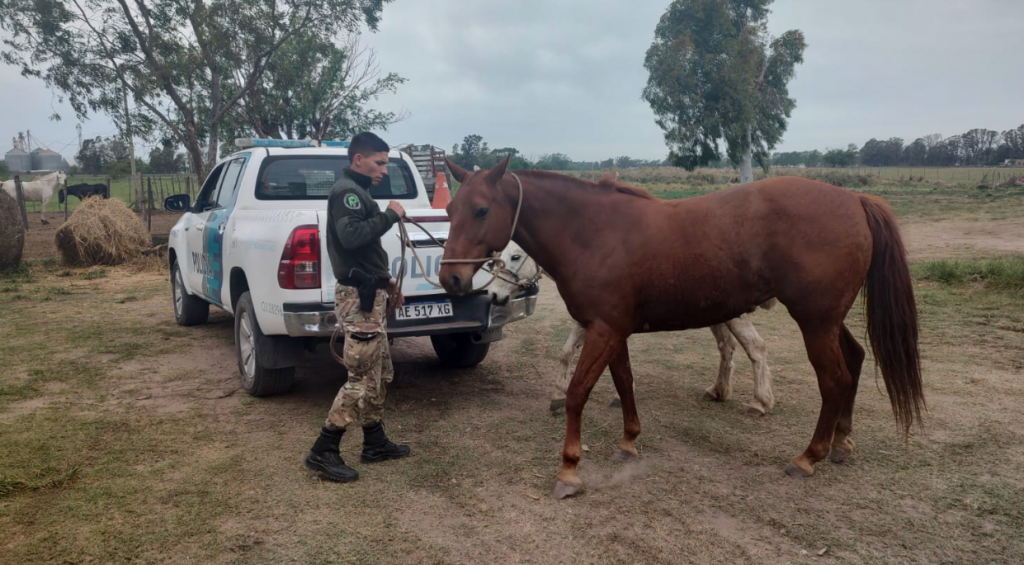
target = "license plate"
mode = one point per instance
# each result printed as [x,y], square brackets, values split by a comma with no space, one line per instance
[424,310]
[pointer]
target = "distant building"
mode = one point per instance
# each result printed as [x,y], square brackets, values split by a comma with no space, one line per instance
[18,160]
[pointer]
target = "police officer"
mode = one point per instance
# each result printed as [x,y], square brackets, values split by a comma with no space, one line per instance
[355,225]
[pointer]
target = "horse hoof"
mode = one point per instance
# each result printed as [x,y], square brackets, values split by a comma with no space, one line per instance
[565,490]
[709,397]
[838,456]
[794,470]
[755,412]
[557,405]
[615,403]
[623,456]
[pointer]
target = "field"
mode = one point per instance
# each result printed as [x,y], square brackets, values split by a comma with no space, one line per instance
[944,174]
[127,439]
[163,185]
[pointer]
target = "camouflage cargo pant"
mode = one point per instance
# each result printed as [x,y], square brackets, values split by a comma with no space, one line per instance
[367,358]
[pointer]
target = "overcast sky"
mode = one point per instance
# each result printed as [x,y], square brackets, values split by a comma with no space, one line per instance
[566,76]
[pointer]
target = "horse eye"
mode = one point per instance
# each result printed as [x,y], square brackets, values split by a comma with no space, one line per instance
[516,257]
[482,212]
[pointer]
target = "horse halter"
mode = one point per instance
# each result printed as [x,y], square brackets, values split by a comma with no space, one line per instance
[513,277]
[495,258]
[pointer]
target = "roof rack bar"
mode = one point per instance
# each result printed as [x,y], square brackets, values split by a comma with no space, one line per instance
[247,142]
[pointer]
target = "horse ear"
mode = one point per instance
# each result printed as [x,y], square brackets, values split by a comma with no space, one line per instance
[495,174]
[458,172]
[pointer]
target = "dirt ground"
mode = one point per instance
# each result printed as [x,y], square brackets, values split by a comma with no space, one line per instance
[39,238]
[954,239]
[175,464]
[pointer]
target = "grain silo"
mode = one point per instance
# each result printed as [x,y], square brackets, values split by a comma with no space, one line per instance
[46,160]
[18,160]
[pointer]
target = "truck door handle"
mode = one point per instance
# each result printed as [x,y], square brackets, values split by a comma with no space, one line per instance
[220,229]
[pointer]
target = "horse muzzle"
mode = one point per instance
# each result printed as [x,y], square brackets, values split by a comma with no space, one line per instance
[457,280]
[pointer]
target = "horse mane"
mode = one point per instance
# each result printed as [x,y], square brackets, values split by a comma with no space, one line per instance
[606,183]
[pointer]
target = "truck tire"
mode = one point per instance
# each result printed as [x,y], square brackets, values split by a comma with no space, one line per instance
[458,350]
[189,310]
[257,378]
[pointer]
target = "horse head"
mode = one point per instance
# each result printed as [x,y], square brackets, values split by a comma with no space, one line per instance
[519,273]
[481,225]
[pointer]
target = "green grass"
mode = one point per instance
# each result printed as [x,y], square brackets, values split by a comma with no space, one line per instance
[21,273]
[10,485]
[1004,273]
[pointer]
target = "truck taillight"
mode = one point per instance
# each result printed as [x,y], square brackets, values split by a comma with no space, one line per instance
[300,261]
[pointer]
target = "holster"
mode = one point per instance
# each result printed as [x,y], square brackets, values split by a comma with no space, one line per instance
[367,286]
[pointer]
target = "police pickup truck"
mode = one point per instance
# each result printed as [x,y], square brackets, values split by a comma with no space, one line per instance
[253,244]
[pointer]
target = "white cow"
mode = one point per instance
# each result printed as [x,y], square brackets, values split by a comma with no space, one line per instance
[521,270]
[39,190]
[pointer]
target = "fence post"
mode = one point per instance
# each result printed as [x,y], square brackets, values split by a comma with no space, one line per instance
[188,187]
[66,198]
[19,195]
[149,205]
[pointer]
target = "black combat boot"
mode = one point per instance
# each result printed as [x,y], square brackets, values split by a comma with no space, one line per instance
[377,447]
[325,457]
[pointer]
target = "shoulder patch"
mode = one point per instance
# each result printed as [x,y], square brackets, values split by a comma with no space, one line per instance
[352,201]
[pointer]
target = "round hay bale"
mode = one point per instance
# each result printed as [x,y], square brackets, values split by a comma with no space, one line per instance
[101,232]
[12,232]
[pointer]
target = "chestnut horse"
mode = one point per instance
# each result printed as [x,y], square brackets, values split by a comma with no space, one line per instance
[626,262]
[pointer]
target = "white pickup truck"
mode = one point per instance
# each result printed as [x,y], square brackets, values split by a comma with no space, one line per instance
[253,244]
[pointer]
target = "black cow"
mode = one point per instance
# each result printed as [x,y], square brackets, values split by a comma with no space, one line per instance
[83,191]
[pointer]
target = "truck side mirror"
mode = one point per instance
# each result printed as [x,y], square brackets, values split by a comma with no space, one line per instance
[177,203]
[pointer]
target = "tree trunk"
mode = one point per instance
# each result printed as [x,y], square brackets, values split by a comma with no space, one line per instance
[195,153]
[746,170]
[131,152]
[213,141]
[214,144]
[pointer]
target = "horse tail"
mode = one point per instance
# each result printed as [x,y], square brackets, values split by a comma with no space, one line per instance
[892,314]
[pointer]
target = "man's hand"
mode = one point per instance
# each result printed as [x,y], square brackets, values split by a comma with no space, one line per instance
[397,208]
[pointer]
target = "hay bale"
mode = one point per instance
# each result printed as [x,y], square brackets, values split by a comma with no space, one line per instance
[12,232]
[101,232]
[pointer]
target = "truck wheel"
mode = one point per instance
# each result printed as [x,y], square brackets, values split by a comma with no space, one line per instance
[257,379]
[189,310]
[458,350]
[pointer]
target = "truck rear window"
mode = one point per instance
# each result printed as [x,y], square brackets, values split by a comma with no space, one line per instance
[311,178]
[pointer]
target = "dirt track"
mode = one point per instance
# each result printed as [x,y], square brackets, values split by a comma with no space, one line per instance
[179,465]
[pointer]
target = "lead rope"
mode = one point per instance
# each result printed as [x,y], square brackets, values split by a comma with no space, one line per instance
[495,259]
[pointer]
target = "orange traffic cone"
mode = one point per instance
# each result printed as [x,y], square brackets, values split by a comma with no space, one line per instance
[442,196]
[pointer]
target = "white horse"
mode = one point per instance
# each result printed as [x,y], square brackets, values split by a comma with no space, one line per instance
[521,271]
[39,190]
